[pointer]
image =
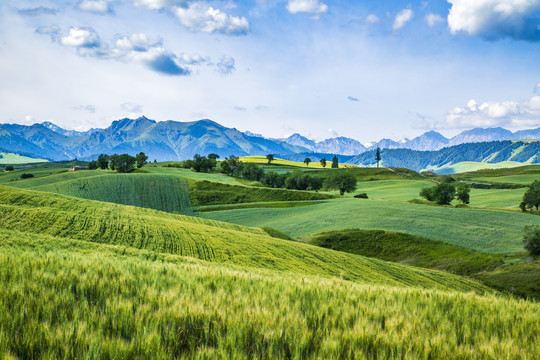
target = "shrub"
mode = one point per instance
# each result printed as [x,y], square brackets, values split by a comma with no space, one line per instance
[361,196]
[531,238]
[9,168]
[26,176]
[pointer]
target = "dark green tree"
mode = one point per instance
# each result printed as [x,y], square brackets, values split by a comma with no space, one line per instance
[307,161]
[442,194]
[213,156]
[335,163]
[323,162]
[111,160]
[270,158]
[531,198]
[103,161]
[315,183]
[531,238]
[463,192]
[141,159]
[378,156]
[342,181]
[9,168]
[123,163]
[92,165]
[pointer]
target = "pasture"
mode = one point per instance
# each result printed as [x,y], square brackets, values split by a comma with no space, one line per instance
[487,231]
[74,299]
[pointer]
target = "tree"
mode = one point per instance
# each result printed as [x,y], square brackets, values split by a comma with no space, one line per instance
[123,163]
[9,168]
[462,192]
[307,161]
[141,159]
[315,183]
[531,238]
[270,158]
[323,162]
[442,194]
[213,156]
[378,156]
[342,181]
[103,161]
[531,198]
[93,165]
[335,163]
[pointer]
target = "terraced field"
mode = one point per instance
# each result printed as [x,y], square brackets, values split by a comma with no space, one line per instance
[75,299]
[481,230]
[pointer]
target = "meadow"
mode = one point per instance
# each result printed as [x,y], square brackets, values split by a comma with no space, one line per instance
[75,299]
[56,215]
[488,231]
[15,159]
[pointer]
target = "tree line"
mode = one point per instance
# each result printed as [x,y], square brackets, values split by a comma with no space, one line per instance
[295,180]
[123,163]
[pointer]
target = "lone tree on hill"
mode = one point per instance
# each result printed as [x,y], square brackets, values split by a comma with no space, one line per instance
[462,192]
[270,158]
[531,198]
[531,238]
[323,162]
[378,156]
[335,163]
[307,161]
[342,181]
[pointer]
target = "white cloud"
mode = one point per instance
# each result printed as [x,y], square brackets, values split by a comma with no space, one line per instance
[537,88]
[306,6]
[81,38]
[496,19]
[200,17]
[226,65]
[489,114]
[90,108]
[97,6]
[373,19]
[402,19]
[433,19]
[159,4]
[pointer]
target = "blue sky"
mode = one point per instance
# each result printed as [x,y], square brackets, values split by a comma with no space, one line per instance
[324,68]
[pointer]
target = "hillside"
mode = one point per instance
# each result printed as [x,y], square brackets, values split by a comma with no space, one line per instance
[85,300]
[490,153]
[86,220]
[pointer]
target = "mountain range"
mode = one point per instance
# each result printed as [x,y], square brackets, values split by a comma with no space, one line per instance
[173,140]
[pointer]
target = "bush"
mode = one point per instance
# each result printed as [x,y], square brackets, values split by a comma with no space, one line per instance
[531,238]
[361,196]
[9,168]
[93,165]
[26,176]
[442,194]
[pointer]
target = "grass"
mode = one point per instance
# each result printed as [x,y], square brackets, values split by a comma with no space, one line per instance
[520,279]
[467,166]
[256,205]
[15,159]
[159,192]
[262,160]
[408,249]
[210,193]
[192,175]
[481,230]
[74,299]
[79,219]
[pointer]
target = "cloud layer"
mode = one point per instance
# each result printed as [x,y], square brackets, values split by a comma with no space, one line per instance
[496,19]
[307,6]
[490,114]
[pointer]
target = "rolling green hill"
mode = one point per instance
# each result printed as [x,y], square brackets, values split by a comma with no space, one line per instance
[14,159]
[51,214]
[481,230]
[65,298]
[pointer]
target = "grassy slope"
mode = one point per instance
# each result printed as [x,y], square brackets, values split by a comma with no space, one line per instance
[159,192]
[482,230]
[293,164]
[408,249]
[211,193]
[471,166]
[45,213]
[75,299]
[15,159]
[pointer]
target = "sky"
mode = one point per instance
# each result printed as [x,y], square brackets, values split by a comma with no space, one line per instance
[362,69]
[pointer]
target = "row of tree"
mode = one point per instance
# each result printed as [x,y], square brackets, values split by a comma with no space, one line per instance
[123,163]
[307,161]
[296,180]
[445,192]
